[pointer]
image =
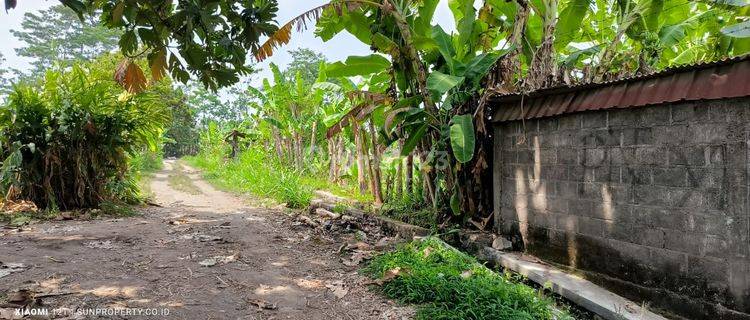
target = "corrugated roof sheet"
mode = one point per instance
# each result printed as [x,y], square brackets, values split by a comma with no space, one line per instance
[728,78]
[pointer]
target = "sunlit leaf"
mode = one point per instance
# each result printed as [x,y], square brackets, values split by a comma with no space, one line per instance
[439,83]
[357,66]
[462,137]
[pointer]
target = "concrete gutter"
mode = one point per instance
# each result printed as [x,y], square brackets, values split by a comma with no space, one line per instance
[582,292]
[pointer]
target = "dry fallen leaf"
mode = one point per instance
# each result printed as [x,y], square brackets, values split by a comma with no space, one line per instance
[388,276]
[358,246]
[338,289]
[262,304]
[357,258]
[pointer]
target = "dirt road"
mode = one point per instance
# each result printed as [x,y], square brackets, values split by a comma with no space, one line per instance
[204,254]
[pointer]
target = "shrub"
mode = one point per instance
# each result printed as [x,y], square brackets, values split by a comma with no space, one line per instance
[66,141]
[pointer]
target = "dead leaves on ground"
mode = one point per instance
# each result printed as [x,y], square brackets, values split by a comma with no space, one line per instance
[262,304]
[12,207]
[337,288]
[388,276]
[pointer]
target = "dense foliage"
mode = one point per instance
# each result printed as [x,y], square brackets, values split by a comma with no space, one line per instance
[208,40]
[424,91]
[66,140]
[57,36]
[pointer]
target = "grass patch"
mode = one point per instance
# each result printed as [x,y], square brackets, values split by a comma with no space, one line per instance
[448,284]
[256,173]
[411,210]
[178,180]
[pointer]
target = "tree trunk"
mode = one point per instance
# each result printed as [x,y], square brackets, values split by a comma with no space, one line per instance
[332,160]
[341,154]
[543,69]
[410,174]
[399,172]
[360,159]
[313,138]
[377,190]
[298,150]
[277,143]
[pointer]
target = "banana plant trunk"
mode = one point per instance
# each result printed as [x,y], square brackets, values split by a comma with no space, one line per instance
[332,158]
[312,138]
[399,172]
[377,190]
[360,159]
[410,174]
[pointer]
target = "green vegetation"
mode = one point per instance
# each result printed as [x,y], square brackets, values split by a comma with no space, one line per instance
[57,36]
[254,172]
[178,180]
[447,284]
[67,140]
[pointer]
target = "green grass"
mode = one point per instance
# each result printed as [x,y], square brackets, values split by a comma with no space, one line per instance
[256,173]
[410,209]
[178,180]
[447,284]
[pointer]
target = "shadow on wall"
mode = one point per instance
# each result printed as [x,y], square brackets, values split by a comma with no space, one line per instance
[656,210]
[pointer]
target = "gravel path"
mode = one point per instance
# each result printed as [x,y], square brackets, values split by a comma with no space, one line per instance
[205,255]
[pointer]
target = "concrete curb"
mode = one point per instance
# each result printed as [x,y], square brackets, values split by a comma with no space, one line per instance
[582,292]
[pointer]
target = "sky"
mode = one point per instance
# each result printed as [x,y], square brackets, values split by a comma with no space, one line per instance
[336,49]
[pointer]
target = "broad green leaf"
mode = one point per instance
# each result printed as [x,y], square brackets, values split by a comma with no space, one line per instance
[741,46]
[327,86]
[673,34]
[651,14]
[464,14]
[462,137]
[569,23]
[359,26]
[740,30]
[579,55]
[414,138]
[687,56]
[439,83]
[445,45]
[423,21]
[129,42]
[478,67]
[322,76]
[358,66]
[384,44]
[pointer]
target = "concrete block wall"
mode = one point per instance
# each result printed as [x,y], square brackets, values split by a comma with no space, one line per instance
[652,201]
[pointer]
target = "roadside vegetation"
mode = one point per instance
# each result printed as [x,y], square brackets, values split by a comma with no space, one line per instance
[447,284]
[403,131]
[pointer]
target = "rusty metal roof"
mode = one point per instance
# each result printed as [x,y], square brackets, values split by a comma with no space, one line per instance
[727,78]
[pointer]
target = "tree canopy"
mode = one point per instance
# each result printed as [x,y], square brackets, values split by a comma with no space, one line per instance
[57,35]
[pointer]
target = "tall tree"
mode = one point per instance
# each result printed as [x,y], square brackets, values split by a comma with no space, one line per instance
[306,62]
[207,39]
[4,77]
[58,35]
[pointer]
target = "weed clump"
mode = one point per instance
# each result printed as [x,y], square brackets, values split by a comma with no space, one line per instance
[447,284]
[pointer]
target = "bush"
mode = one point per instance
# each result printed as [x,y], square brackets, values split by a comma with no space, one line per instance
[67,140]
